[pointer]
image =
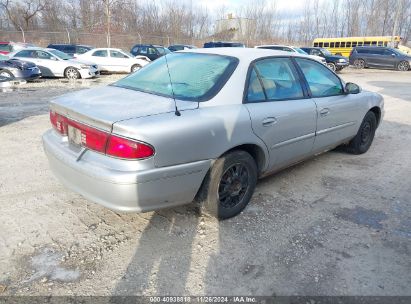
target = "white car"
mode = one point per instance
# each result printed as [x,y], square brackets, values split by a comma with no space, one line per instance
[53,63]
[291,49]
[115,60]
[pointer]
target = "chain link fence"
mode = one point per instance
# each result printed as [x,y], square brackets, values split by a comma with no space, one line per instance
[122,41]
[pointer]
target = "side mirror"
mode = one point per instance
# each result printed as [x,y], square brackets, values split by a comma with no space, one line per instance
[352,88]
[393,55]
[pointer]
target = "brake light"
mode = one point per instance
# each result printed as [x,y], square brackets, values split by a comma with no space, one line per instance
[59,122]
[126,148]
[101,141]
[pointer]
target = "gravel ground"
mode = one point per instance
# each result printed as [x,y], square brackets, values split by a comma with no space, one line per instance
[335,225]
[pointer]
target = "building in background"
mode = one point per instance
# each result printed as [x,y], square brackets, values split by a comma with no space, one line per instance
[235,28]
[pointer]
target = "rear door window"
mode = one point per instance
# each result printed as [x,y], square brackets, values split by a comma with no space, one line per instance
[100,53]
[277,77]
[320,79]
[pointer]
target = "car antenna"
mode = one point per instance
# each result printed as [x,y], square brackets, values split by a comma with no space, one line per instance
[176,112]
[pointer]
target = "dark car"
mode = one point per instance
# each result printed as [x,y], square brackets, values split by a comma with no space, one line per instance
[334,62]
[71,49]
[379,57]
[180,47]
[7,47]
[18,69]
[223,44]
[149,50]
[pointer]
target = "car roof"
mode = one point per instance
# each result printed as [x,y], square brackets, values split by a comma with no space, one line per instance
[246,54]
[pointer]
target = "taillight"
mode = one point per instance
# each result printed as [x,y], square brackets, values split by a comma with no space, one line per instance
[100,141]
[90,137]
[59,122]
[126,148]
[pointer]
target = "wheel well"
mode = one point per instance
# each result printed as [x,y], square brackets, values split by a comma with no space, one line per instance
[255,151]
[377,112]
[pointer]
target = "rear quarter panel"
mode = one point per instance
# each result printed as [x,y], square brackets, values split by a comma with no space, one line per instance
[201,134]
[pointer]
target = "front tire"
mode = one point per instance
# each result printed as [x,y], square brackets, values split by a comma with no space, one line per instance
[72,73]
[332,66]
[365,135]
[135,68]
[229,185]
[6,74]
[359,63]
[403,66]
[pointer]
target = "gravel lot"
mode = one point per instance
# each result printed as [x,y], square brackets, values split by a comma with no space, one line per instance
[335,225]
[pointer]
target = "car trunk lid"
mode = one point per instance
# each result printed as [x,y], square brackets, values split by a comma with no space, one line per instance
[102,107]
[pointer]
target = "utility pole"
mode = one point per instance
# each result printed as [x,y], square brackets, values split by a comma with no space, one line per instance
[108,20]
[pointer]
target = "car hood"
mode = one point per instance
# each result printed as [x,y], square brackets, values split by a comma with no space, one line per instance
[16,63]
[318,58]
[79,61]
[103,106]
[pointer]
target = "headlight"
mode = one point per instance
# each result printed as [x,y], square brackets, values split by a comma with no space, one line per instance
[342,60]
[84,66]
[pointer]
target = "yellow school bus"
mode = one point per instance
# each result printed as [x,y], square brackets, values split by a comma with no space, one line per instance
[343,46]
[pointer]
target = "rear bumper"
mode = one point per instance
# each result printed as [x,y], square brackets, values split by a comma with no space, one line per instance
[95,177]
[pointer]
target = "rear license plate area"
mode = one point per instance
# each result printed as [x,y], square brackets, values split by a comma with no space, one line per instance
[74,136]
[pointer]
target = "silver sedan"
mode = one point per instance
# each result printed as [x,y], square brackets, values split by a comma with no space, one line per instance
[203,125]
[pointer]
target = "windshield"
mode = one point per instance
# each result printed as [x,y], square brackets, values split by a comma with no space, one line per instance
[127,53]
[194,77]
[300,51]
[326,52]
[2,57]
[61,55]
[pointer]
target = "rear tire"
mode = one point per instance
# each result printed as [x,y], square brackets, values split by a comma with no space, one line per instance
[403,66]
[72,73]
[359,63]
[6,74]
[228,186]
[365,135]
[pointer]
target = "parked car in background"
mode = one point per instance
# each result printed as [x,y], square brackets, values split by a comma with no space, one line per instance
[379,57]
[54,63]
[7,47]
[18,69]
[291,49]
[334,62]
[204,124]
[149,50]
[216,44]
[115,60]
[181,47]
[71,49]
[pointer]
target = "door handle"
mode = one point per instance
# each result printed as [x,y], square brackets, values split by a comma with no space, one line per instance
[324,111]
[269,121]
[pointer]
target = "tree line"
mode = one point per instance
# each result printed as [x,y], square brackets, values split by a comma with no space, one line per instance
[190,20]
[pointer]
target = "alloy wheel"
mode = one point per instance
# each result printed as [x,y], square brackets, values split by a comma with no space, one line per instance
[72,73]
[359,63]
[403,66]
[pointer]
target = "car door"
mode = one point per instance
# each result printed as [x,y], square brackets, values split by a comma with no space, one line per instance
[336,111]
[281,113]
[388,58]
[46,62]
[120,61]
[101,58]
[152,53]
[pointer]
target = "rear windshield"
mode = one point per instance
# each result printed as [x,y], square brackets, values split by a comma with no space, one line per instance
[194,77]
